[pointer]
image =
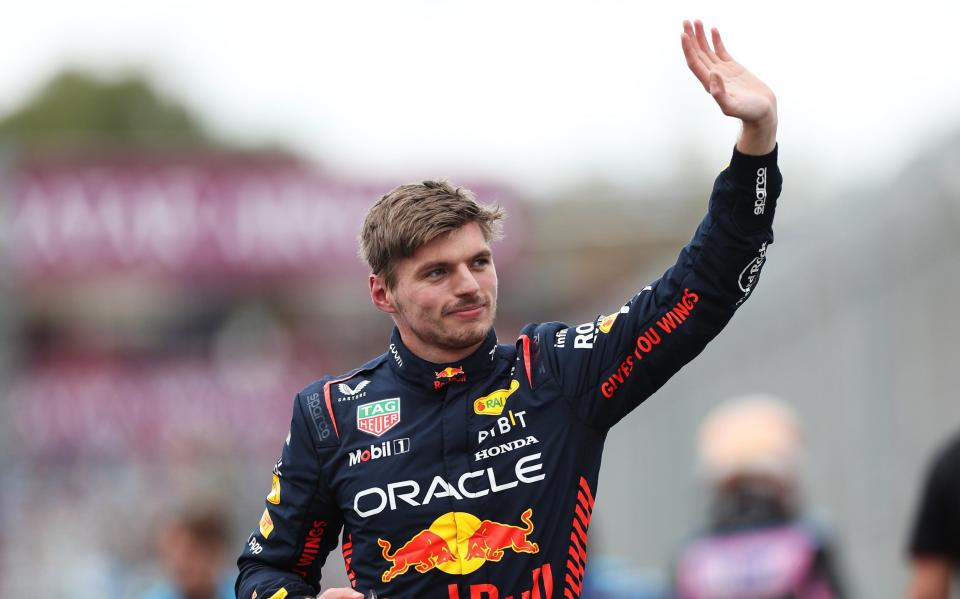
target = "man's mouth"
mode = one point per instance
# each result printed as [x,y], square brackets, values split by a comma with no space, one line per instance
[469,311]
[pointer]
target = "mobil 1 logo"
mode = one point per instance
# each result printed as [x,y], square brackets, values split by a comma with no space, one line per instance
[379,450]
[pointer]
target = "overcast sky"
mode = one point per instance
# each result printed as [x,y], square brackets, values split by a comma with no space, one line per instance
[537,94]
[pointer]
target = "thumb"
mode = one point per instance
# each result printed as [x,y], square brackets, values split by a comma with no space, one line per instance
[717,89]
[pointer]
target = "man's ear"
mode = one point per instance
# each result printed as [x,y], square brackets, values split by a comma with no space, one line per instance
[380,295]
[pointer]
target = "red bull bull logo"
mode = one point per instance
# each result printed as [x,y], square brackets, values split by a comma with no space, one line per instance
[491,538]
[424,552]
[450,374]
[459,543]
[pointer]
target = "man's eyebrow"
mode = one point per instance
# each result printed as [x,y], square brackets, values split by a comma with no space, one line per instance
[432,265]
[486,253]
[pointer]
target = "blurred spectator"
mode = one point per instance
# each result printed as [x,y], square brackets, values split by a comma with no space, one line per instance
[935,543]
[756,546]
[192,548]
[613,577]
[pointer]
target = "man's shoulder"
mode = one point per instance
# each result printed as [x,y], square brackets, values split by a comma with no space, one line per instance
[538,330]
[536,348]
[543,337]
[344,379]
[324,399]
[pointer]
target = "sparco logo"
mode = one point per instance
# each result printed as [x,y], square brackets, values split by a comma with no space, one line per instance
[383,450]
[761,201]
[316,411]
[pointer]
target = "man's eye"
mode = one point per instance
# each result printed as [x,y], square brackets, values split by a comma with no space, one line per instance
[481,261]
[436,272]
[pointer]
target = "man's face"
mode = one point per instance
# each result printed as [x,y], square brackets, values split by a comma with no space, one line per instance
[445,296]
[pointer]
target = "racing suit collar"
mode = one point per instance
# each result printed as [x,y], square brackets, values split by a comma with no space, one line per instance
[429,375]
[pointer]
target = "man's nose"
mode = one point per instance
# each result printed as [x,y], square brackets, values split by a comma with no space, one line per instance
[465,281]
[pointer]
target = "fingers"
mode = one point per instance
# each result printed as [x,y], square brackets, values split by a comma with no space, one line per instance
[718,44]
[701,38]
[707,55]
[691,53]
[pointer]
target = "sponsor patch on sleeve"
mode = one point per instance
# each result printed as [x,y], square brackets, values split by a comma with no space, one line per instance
[266,524]
[314,402]
[274,496]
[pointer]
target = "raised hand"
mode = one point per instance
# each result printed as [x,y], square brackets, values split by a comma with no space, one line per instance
[737,91]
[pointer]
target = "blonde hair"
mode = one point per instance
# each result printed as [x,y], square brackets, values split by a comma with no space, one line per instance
[414,214]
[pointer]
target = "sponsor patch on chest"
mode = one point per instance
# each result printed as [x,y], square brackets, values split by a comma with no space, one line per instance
[377,417]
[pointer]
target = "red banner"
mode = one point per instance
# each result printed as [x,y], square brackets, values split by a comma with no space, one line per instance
[225,218]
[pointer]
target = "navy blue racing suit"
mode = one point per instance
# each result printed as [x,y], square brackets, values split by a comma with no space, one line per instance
[476,479]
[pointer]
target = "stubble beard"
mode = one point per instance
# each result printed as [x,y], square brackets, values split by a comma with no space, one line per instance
[437,332]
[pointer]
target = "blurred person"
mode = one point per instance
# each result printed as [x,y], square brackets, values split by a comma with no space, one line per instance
[935,542]
[756,545]
[192,548]
[459,467]
[614,577]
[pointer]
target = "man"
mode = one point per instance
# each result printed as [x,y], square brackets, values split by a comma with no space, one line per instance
[192,547]
[757,542]
[935,544]
[457,467]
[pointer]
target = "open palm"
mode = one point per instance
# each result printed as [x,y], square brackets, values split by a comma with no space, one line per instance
[738,92]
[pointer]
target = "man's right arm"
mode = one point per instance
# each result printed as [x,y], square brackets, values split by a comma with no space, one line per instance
[607,367]
[300,523]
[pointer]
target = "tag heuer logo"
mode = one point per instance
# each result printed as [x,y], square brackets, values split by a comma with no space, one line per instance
[378,417]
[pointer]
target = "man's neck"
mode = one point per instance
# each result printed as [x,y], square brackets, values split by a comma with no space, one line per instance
[432,353]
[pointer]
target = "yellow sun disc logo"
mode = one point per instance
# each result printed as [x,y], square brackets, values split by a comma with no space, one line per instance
[457,528]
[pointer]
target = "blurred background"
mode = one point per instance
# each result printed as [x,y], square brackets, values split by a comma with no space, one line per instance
[181,185]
